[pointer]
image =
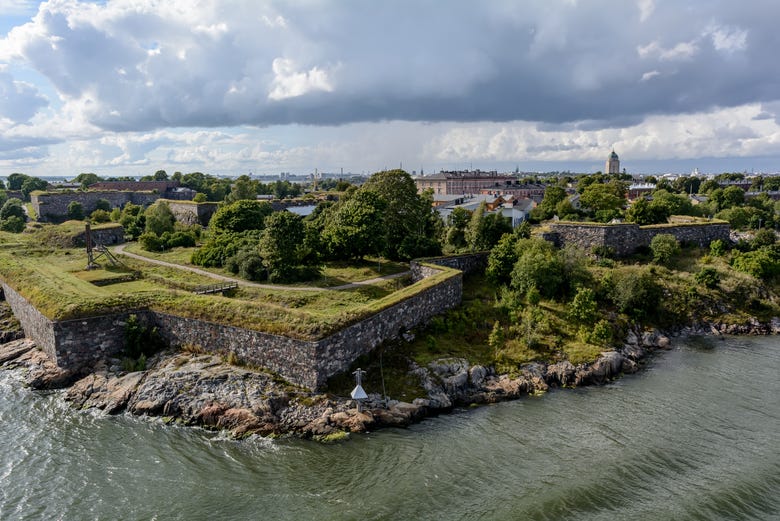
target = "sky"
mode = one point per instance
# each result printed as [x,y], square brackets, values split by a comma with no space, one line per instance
[229,87]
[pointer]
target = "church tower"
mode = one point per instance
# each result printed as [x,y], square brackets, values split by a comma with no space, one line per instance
[613,164]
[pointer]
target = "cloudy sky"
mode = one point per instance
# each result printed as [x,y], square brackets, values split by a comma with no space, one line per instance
[127,87]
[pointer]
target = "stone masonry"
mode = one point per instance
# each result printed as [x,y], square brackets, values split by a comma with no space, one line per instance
[53,206]
[79,344]
[625,238]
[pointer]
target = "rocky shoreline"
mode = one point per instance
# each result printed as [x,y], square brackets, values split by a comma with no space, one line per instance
[203,390]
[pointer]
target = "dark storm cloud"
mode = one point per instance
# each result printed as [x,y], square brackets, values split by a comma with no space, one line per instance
[565,64]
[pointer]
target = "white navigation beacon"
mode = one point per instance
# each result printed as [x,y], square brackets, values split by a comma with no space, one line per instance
[358,393]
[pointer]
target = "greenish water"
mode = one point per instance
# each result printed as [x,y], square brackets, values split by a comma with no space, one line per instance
[693,437]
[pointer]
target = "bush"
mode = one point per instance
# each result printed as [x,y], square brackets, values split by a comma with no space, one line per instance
[103,204]
[636,294]
[763,237]
[664,246]
[100,216]
[75,211]
[150,242]
[708,277]
[12,224]
[717,248]
[583,306]
[761,263]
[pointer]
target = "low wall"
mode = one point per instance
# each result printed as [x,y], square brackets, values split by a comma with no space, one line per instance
[625,238]
[468,263]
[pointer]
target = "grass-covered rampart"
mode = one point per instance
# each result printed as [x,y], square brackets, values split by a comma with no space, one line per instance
[55,281]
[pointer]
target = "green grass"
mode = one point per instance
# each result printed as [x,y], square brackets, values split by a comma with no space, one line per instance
[56,282]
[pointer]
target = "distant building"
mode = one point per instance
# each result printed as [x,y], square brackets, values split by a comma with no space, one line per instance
[464,182]
[639,189]
[613,164]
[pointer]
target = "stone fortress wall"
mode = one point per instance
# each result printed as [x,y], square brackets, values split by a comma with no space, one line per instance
[79,344]
[625,238]
[53,206]
[190,212]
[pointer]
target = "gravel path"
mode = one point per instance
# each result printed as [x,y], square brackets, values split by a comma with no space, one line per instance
[121,251]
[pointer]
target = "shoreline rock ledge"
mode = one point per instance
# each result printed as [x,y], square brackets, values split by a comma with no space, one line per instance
[203,390]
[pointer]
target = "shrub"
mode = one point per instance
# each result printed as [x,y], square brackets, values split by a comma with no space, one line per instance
[151,242]
[761,263]
[636,294]
[12,224]
[763,237]
[601,334]
[102,204]
[100,216]
[75,211]
[664,246]
[583,306]
[708,277]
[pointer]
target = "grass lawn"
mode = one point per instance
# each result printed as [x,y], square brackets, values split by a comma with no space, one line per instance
[56,281]
[333,273]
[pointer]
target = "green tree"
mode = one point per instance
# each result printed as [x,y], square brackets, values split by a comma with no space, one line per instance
[243,188]
[86,179]
[103,204]
[12,207]
[281,245]
[583,306]
[605,200]
[16,180]
[32,184]
[357,227]
[406,212]
[485,229]
[159,218]
[457,222]
[241,216]
[538,266]
[664,247]
[75,211]
[641,212]
[553,195]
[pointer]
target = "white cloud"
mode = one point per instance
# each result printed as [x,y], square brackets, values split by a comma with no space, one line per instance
[290,83]
[727,39]
[650,75]
[646,8]
[681,51]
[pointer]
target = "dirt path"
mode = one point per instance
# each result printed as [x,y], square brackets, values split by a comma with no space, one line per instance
[121,251]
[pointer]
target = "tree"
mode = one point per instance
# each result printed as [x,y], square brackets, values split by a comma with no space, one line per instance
[605,200]
[75,211]
[31,184]
[406,213]
[12,208]
[583,306]
[241,216]
[553,195]
[356,229]
[538,266]
[243,188]
[16,180]
[159,218]
[103,204]
[86,179]
[281,245]
[642,212]
[664,246]
[485,229]
[457,222]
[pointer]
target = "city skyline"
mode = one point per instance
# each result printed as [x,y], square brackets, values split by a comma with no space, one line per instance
[127,88]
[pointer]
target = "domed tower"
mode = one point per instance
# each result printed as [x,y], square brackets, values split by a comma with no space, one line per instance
[613,164]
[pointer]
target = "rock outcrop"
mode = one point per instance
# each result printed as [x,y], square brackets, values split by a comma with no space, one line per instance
[203,390]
